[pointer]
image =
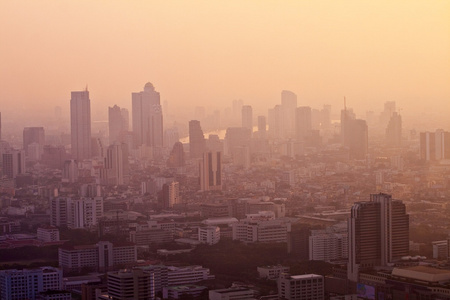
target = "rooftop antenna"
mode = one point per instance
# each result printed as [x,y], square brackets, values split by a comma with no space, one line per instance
[345,104]
[86,87]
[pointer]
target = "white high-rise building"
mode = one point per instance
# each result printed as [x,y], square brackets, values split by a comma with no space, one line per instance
[80,125]
[84,212]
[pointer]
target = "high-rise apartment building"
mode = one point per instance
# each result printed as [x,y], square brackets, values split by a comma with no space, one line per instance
[211,171]
[197,144]
[80,125]
[247,117]
[76,213]
[262,127]
[378,233]
[147,117]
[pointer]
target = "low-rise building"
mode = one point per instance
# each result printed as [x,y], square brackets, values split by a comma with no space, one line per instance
[102,256]
[272,272]
[209,235]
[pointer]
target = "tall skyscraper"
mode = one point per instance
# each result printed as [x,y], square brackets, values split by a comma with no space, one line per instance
[117,123]
[289,106]
[33,135]
[197,144]
[80,125]
[247,117]
[211,171]
[147,117]
[378,233]
[303,122]
[394,131]
[347,115]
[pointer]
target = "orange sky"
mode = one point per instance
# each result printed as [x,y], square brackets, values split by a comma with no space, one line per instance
[211,52]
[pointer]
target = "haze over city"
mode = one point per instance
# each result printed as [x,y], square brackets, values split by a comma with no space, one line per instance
[216,150]
[209,53]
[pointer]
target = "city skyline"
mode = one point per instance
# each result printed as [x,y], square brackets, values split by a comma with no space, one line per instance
[210,53]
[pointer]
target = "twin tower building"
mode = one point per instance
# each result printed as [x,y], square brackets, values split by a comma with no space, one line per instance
[146,115]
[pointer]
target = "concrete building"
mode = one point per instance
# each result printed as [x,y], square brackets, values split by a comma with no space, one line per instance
[29,283]
[80,125]
[209,235]
[330,244]
[271,231]
[301,287]
[272,272]
[102,256]
[84,212]
[130,284]
[48,234]
[378,233]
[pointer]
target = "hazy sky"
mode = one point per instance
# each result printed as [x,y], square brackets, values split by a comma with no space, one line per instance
[211,52]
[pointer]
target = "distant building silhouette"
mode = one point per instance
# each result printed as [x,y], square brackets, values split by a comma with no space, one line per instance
[33,142]
[288,106]
[394,131]
[197,144]
[80,125]
[118,119]
[262,127]
[176,158]
[147,117]
[303,122]
[247,117]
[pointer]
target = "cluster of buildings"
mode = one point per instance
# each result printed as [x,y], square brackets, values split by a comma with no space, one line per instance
[294,177]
